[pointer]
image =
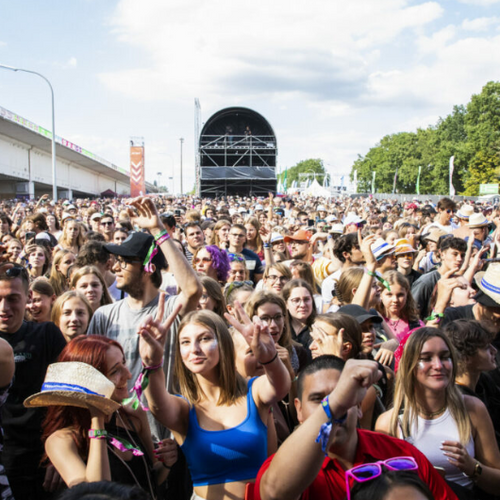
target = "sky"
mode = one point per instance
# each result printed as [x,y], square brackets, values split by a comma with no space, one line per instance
[332,77]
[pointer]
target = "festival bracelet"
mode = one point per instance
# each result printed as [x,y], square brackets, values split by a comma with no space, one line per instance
[325,403]
[384,282]
[98,434]
[435,316]
[271,360]
[162,237]
[155,367]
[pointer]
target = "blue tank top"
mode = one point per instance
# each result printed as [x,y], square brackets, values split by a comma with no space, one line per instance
[229,455]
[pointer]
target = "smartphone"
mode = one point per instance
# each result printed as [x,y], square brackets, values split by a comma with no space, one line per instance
[177,213]
[310,222]
[30,235]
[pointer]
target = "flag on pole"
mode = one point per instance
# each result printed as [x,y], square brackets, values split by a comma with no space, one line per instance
[285,186]
[395,179]
[452,166]
[373,181]
[418,180]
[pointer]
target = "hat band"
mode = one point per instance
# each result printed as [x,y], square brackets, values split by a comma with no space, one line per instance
[490,287]
[58,386]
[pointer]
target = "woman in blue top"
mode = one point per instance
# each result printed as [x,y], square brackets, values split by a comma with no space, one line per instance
[219,421]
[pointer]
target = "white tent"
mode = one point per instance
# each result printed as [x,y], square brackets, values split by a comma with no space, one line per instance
[315,189]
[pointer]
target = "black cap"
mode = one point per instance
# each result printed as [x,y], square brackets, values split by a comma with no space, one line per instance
[359,313]
[137,246]
[485,300]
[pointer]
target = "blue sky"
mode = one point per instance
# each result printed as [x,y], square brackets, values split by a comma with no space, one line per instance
[332,77]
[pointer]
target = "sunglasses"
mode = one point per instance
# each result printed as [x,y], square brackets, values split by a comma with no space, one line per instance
[197,260]
[235,257]
[367,472]
[14,271]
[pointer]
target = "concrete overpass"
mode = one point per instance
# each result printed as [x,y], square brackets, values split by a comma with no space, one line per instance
[26,164]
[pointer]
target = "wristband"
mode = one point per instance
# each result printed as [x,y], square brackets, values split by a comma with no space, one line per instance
[155,367]
[384,282]
[162,237]
[325,403]
[267,245]
[270,361]
[326,428]
[98,433]
[435,316]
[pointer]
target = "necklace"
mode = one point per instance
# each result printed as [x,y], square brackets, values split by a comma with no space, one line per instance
[432,413]
[393,323]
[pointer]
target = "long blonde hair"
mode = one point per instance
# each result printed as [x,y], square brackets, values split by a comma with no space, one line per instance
[232,385]
[405,411]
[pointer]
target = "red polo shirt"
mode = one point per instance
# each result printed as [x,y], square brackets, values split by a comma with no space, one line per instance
[372,447]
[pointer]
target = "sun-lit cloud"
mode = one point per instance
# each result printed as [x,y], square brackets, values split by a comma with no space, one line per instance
[480,23]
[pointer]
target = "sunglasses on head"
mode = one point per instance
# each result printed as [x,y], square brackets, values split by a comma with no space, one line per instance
[234,257]
[14,271]
[367,472]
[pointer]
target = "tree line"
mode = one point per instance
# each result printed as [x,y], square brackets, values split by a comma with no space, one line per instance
[471,134]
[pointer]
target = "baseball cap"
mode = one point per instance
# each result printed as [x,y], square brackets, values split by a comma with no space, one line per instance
[137,246]
[360,314]
[95,216]
[381,248]
[300,235]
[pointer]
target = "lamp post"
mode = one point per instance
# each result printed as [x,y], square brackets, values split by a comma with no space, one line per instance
[182,141]
[54,183]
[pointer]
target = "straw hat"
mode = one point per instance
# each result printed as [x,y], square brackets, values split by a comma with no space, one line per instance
[75,384]
[488,281]
[478,220]
[403,246]
[433,234]
[465,211]
[381,249]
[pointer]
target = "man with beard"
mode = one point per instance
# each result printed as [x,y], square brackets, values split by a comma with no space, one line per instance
[140,277]
[301,248]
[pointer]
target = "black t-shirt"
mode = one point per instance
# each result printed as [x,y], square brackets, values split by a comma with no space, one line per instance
[36,346]
[453,313]
[413,276]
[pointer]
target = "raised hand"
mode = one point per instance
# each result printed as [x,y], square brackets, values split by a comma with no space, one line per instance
[365,247]
[357,376]
[255,332]
[265,233]
[154,334]
[145,214]
[328,344]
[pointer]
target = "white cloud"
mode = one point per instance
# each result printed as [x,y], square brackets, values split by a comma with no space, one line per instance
[482,3]
[321,49]
[480,23]
[72,62]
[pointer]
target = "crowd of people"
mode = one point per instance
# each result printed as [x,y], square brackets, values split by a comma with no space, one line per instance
[249,348]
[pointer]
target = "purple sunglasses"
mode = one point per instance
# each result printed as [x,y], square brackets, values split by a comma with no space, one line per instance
[367,472]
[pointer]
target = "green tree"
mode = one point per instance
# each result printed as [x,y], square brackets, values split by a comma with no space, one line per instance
[313,165]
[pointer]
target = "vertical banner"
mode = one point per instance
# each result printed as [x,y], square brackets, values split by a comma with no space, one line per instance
[418,180]
[137,171]
[452,167]
[373,181]
[395,180]
[285,183]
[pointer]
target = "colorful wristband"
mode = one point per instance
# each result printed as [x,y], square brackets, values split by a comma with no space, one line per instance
[155,367]
[98,434]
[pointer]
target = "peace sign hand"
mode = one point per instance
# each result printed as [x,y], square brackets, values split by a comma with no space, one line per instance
[256,334]
[154,334]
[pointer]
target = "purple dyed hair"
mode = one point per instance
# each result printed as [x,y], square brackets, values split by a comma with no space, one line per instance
[220,262]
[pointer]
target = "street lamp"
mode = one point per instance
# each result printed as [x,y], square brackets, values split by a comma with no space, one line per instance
[182,140]
[54,183]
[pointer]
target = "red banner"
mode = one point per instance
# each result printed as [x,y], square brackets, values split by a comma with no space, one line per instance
[137,178]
